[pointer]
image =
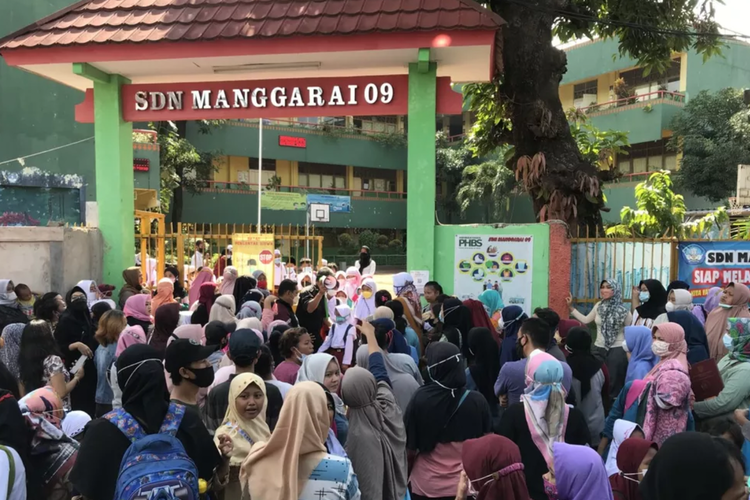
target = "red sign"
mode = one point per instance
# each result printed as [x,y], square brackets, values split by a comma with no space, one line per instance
[141,164]
[355,96]
[292,142]
[266,257]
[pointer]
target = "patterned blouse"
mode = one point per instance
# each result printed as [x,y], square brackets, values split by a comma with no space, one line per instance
[52,366]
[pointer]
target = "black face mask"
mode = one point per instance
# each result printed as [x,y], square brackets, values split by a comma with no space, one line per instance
[364,255]
[519,349]
[204,377]
[79,306]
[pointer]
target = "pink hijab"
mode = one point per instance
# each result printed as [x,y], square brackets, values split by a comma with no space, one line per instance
[135,306]
[131,335]
[672,388]
[190,332]
[227,284]
[674,335]
[205,276]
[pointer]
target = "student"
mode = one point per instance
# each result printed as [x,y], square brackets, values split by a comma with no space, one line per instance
[365,306]
[244,351]
[432,290]
[324,369]
[217,335]
[340,340]
[26,299]
[589,383]
[353,281]
[141,378]
[294,345]
[186,361]
[578,474]
[244,424]
[623,430]
[652,298]
[633,459]
[107,334]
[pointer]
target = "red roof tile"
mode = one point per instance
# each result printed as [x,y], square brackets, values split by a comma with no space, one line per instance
[136,21]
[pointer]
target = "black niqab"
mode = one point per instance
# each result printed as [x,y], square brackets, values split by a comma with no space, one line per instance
[140,375]
[179,289]
[242,285]
[582,363]
[436,414]
[486,363]
[695,335]
[457,315]
[364,259]
[657,301]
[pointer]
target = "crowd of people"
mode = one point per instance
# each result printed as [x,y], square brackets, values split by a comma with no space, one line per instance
[316,385]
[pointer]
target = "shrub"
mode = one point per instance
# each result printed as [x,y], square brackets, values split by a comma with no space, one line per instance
[368,238]
[346,241]
[395,245]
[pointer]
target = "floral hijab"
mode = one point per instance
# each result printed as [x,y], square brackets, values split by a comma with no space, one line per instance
[612,313]
[739,330]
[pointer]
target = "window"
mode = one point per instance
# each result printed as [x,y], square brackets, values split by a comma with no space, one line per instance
[647,157]
[648,87]
[385,124]
[322,176]
[584,94]
[250,176]
[375,179]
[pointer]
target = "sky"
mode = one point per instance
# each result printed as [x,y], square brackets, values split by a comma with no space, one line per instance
[734,15]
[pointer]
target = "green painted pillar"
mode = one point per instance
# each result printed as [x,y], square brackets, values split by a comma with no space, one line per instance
[420,189]
[114,178]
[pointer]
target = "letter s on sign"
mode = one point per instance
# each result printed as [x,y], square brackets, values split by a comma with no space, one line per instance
[141,102]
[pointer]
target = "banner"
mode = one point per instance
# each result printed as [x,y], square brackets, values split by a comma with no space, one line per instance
[713,263]
[274,200]
[491,261]
[251,252]
[339,204]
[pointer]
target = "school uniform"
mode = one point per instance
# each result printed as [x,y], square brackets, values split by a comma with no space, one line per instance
[340,343]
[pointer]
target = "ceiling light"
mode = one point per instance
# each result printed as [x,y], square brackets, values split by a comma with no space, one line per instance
[249,68]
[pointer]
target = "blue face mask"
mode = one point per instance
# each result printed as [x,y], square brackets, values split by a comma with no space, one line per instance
[644,296]
[340,320]
[727,341]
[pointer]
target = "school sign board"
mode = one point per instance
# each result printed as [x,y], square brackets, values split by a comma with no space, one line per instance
[251,252]
[500,262]
[713,263]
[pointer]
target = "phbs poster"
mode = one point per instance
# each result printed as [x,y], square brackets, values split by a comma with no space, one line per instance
[251,252]
[492,261]
[713,263]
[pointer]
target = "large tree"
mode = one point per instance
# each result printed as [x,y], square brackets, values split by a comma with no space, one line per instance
[527,112]
[713,134]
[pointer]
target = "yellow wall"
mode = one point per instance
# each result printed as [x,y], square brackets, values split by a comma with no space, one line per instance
[566,96]
[683,72]
[238,164]
[295,173]
[222,164]
[400,181]
[603,84]
[349,176]
[284,171]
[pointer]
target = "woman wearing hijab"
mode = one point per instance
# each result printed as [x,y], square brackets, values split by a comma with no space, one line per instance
[641,358]
[365,306]
[145,398]
[441,416]
[408,296]
[294,463]
[578,474]
[734,369]
[484,368]
[223,309]
[130,336]
[206,299]
[11,350]
[513,317]
[695,335]
[653,303]
[166,319]
[669,344]
[138,312]
[732,304]
[493,305]
[678,285]
[377,439]
[75,338]
[250,310]
[493,466]
[563,328]
[633,459]
[173,274]
[365,265]
[541,419]
[695,466]
[413,339]
[701,311]
[262,280]
[624,430]
[324,369]
[228,281]
[164,293]
[242,285]
[244,424]
[589,385]
[353,281]
[132,277]
[204,276]
[456,320]
[611,317]
[679,300]
[52,453]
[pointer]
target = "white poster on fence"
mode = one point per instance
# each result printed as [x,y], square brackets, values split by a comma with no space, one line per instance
[500,262]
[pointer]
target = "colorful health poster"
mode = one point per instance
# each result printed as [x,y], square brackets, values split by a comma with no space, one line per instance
[274,200]
[251,252]
[707,264]
[500,262]
[339,204]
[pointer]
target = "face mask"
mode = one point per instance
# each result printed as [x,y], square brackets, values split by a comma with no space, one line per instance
[300,356]
[636,474]
[727,341]
[307,269]
[10,295]
[519,348]
[457,357]
[79,306]
[204,377]
[172,279]
[660,348]
[506,324]
[443,313]
[670,307]
[725,306]
[644,296]
[363,255]
[366,294]
[137,365]
[340,320]
[277,261]
[263,284]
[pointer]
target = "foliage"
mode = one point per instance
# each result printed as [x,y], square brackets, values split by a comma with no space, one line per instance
[387,139]
[596,146]
[450,162]
[489,183]
[346,242]
[273,183]
[492,122]
[382,241]
[396,245]
[390,139]
[368,238]
[661,212]
[714,134]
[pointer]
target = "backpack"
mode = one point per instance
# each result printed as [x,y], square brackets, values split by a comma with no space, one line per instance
[156,466]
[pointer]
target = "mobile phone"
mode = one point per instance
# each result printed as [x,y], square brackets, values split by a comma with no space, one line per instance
[78,364]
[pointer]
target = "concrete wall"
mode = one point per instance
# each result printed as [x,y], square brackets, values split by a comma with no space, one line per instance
[50,258]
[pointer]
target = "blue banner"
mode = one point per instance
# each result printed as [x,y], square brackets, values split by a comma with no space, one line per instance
[713,263]
[339,204]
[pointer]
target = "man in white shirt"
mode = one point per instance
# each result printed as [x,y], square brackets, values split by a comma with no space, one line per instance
[197,260]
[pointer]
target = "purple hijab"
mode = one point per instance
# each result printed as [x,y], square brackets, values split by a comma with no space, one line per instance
[580,473]
[712,300]
[642,358]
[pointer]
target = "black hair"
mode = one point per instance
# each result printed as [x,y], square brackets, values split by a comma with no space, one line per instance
[733,453]
[20,287]
[323,272]
[98,310]
[398,314]
[8,381]
[287,286]
[292,260]
[37,343]
[217,331]
[381,335]
[333,266]
[46,307]
[442,298]
[264,365]
[548,316]
[538,331]
[435,286]
[289,340]
[728,426]
[274,338]
[382,297]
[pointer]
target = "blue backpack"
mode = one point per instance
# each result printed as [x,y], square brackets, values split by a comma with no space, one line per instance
[156,466]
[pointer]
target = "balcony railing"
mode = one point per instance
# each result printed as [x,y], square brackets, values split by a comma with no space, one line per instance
[641,100]
[243,188]
[369,128]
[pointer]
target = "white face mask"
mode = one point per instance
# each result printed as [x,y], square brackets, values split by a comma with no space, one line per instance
[670,307]
[660,348]
[727,339]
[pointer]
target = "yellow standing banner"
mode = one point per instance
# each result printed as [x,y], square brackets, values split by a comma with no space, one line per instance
[251,252]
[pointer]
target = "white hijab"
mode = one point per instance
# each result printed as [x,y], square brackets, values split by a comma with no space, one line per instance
[622,431]
[6,298]
[85,285]
[366,307]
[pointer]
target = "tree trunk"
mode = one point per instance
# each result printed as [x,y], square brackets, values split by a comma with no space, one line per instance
[532,70]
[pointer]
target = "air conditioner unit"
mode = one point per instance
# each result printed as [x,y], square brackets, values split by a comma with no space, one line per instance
[743,185]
